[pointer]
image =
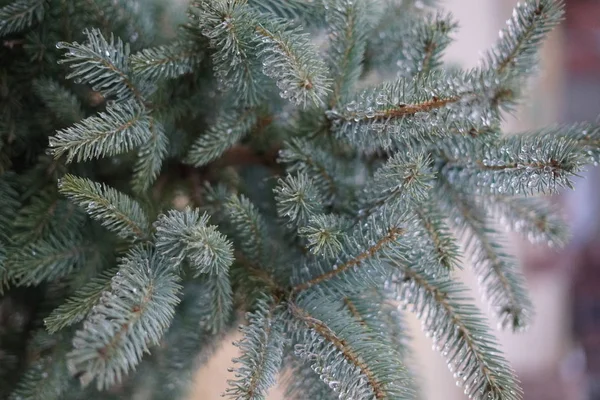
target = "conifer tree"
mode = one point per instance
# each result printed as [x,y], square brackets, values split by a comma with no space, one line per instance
[161,187]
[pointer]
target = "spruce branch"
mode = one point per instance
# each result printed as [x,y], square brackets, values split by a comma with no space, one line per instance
[302,382]
[404,180]
[44,379]
[402,98]
[302,157]
[520,41]
[382,317]
[113,209]
[11,202]
[534,218]
[411,110]
[262,352]
[186,345]
[325,233]
[221,293]
[517,165]
[442,242]
[298,199]
[19,15]
[59,100]
[250,229]
[186,235]
[389,22]
[458,331]
[229,128]
[128,319]
[347,20]
[414,46]
[433,38]
[362,252]
[502,283]
[229,26]
[123,127]
[46,214]
[49,259]
[336,346]
[10,199]
[305,10]
[165,62]
[150,158]
[289,58]
[586,137]
[103,64]
[79,305]
[46,376]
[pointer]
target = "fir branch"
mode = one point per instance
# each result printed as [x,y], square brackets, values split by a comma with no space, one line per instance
[347,20]
[123,127]
[289,57]
[102,64]
[19,15]
[262,353]
[165,62]
[186,235]
[127,320]
[229,128]
[150,158]
[114,210]
[78,306]
[503,285]
[459,332]
[59,100]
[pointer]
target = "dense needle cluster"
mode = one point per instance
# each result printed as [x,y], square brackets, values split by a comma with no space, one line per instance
[161,186]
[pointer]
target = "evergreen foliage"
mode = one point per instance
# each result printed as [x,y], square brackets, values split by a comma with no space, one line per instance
[157,184]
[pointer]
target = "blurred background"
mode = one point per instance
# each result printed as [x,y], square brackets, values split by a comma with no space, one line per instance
[558,358]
